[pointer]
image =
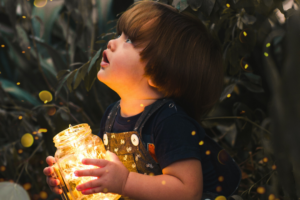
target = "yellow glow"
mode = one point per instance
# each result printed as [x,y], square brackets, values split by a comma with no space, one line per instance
[29,47]
[207,152]
[271,197]
[228,5]
[45,102]
[27,186]
[142,105]
[163,182]
[151,174]
[40,3]
[261,190]
[273,167]
[221,178]
[219,189]
[268,45]
[2,168]
[45,96]
[20,151]
[36,137]
[0,72]
[242,112]
[266,54]
[34,132]
[71,149]
[245,34]
[43,195]
[24,17]
[201,142]
[265,159]
[23,51]
[27,140]
[42,130]
[18,83]
[193,132]
[2,45]
[1,179]
[246,66]
[20,117]
[220,198]
[228,95]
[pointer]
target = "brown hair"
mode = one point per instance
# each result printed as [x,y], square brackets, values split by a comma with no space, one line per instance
[183,59]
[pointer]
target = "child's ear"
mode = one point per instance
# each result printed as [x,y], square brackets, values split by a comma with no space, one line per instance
[151,83]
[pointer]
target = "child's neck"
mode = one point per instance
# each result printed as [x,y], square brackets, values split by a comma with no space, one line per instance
[131,107]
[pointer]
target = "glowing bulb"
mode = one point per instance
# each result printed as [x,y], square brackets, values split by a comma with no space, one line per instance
[23,51]
[261,190]
[266,54]
[228,5]
[193,132]
[24,17]
[268,45]
[228,95]
[27,140]
[245,34]
[2,45]
[201,142]
[18,83]
[246,66]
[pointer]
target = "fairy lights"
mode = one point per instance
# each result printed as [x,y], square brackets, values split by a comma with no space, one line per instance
[73,144]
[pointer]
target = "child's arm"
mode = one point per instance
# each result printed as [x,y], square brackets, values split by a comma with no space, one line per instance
[180,180]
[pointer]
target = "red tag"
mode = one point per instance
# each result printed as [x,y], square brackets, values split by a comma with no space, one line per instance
[151,150]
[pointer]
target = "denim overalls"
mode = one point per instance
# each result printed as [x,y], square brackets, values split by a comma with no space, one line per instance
[129,147]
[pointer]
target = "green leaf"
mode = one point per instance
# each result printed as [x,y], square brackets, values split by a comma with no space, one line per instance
[207,6]
[180,4]
[58,62]
[42,25]
[18,93]
[80,74]
[22,37]
[70,79]
[61,73]
[91,77]
[61,83]
[97,56]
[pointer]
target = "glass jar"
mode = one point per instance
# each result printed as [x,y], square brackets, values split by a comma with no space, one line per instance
[74,144]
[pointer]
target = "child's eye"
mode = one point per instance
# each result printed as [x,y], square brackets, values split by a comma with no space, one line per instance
[129,40]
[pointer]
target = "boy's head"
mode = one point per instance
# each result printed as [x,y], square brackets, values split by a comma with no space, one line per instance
[183,60]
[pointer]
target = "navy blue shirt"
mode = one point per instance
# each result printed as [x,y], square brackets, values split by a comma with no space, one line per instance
[175,135]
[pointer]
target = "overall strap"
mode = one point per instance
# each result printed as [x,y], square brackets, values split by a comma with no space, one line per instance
[111,117]
[149,110]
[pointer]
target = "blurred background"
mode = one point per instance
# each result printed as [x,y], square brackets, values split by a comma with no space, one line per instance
[49,58]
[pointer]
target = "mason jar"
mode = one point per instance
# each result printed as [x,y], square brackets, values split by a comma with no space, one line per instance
[73,144]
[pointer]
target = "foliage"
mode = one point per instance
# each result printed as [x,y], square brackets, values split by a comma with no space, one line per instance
[58,47]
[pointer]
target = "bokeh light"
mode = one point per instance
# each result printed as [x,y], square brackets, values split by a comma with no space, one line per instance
[20,117]
[2,168]
[27,186]
[36,137]
[142,105]
[163,182]
[219,189]
[223,157]
[221,178]
[261,190]
[42,130]
[24,17]
[228,5]
[220,198]
[20,151]
[43,195]
[45,96]
[193,132]
[2,45]
[268,45]
[27,140]
[265,159]
[40,3]
[228,95]
[18,83]
[51,111]
[271,197]
[266,54]
[207,152]
[23,51]
[201,142]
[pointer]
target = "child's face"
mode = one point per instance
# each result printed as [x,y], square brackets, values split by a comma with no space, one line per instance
[125,70]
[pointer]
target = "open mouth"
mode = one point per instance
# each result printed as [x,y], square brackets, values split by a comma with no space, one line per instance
[105,58]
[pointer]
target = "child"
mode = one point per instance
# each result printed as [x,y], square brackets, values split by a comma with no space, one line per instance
[167,70]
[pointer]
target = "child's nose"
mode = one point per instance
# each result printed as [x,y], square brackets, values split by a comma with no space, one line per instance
[111,45]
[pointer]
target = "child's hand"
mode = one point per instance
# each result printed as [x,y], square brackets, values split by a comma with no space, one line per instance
[48,171]
[112,175]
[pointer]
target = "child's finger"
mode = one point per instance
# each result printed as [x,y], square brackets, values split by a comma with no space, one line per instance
[53,182]
[96,162]
[90,172]
[50,160]
[48,171]
[88,185]
[56,190]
